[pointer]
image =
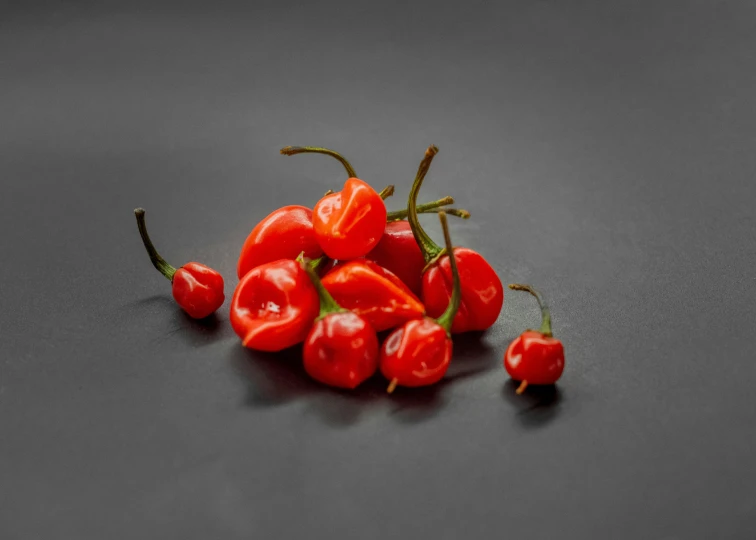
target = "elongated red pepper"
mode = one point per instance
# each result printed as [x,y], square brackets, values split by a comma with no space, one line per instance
[482,292]
[341,349]
[274,305]
[419,352]
[535,357]
[398,251]
[370,290]
[197,288]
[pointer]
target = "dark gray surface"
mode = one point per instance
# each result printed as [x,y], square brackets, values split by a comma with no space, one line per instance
[607,155]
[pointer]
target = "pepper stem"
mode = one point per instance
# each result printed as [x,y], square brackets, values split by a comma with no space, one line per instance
[545,313]
[447,317]
[327,303]
[158,262]
[387,192]
[521,388]
[429,248]
[294,150]
[392,385]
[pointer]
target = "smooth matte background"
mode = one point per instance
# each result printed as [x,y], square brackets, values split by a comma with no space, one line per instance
[606,152]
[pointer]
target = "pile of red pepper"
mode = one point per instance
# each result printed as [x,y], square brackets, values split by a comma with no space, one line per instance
[334,276]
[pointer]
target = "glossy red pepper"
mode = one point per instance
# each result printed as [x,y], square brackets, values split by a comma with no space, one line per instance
[274,305]
[341,349]
[398,251]
[535,357]
[198,289]
[482,292]
[419,352]
[347,223]
[283,234]
[370,290]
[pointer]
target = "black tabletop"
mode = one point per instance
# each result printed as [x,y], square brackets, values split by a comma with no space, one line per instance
[606,153]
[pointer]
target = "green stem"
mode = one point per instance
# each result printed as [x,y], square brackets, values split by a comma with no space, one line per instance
[430,249]
[428,207]
[387,192]
[158,262]
[294,150]
[327,303]
[545,313]
[447,317]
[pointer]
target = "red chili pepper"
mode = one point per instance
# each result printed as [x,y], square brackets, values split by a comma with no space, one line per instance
[482,292]
[197,288]
[341,349]
[274,305]
[419,352]
[398,251]
[535,357]
[283,234]
[373,292]
[350,222]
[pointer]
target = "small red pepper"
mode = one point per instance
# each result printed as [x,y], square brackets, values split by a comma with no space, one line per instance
[274,305]
[283,234]
[341,349]
[419,352]
[197,288]
[370,290]
[482,292]
[347,223]
[535,357]
[398,251]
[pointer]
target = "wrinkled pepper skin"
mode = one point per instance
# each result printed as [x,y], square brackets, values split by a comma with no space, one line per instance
[416,354]
[274,306]
[283,234]
[398,252]
[370,290]
[198,289]
[482,291]
[350,222]
[341,350]
[535,358]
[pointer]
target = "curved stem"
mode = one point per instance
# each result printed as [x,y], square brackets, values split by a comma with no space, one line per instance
[327,303]
[294,150]
[387,192]
[545,313]
[429,248]
[158,262]
[428,207]
[447,317]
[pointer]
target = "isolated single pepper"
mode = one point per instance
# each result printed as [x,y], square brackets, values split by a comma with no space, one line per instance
[274,305]
[535,357]
[419,352]
[482,292]
[370,290]
[197,288]
[341,349]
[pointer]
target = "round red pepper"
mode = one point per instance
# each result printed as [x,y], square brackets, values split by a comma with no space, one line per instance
[341,349]
[274,305]
[535,357]
[283,234]
[197,288]
[419,352]
[370,290]
[482,292]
